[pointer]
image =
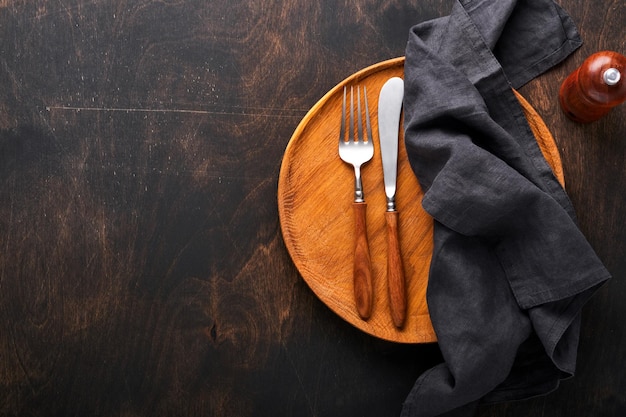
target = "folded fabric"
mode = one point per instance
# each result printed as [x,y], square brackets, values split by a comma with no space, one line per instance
[510,270]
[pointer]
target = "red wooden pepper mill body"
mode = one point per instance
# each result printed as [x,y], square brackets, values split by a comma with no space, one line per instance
[594,88]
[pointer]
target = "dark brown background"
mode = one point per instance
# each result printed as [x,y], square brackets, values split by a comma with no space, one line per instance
[142,269]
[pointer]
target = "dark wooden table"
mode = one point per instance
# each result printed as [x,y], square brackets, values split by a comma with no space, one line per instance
[142,267]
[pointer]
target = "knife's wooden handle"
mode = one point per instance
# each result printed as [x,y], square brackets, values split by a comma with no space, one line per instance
[395,271]
[363,289]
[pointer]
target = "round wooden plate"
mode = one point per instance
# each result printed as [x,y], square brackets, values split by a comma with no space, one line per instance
[315,195]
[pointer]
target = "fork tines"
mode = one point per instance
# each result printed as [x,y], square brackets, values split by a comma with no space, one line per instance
[359,120]
[356,149]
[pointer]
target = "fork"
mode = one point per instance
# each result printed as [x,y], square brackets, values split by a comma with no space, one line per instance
[357,151]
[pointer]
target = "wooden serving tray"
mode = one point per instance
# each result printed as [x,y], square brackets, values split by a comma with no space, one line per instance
[315,195]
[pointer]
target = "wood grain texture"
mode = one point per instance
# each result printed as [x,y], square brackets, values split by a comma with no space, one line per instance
[362,263]
[396,282]
[315,191]
[142,268]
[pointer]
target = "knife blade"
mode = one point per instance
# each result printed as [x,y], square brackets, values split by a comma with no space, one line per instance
[389,112]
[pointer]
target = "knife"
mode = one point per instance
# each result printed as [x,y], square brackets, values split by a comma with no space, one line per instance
[389,110]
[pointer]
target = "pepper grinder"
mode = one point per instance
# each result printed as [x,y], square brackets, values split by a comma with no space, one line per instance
[594,88]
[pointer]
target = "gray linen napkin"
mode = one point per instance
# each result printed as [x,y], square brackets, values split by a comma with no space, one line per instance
[510,269]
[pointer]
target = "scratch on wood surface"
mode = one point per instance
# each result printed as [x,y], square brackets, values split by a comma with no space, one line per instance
[278,113]
[310,404]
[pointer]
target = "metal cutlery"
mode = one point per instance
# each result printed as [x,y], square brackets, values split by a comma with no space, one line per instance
[389,110]
[357,150]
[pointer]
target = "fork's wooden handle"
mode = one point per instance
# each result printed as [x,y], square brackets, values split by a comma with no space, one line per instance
[363,289]
[395,271]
